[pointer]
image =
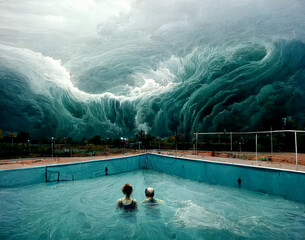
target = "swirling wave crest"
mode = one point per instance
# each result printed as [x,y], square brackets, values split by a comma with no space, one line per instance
[204,68]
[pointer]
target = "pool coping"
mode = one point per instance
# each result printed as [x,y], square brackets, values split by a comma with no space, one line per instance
[230,164]
[167,156]
[70,163]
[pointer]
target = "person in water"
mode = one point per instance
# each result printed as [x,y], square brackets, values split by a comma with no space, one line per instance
[150,193]
[127,203]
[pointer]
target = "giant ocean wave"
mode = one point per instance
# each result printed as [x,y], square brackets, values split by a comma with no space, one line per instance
[178,75]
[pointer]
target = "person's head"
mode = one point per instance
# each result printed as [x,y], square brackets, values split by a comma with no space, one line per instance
[149,192]
[127,189]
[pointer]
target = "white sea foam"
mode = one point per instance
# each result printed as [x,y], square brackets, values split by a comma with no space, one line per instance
[41,70]
[44,72]
[191,215]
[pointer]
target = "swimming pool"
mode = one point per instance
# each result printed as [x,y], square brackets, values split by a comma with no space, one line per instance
[286,183]
[85,209]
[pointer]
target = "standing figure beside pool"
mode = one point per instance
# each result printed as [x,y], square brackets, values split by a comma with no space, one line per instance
[127,203]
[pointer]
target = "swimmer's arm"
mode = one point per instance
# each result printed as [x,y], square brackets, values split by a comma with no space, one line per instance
[158,200]
[145,200]
[118,203]
[137,207]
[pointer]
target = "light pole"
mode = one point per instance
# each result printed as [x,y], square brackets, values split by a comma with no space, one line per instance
[29,145]
[12,144]
[231,141]
[52,145]
[124,144]
[12,135]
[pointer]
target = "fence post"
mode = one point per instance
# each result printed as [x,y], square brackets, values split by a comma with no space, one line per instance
[296,149]
[271,148]
[256,147]
[196,143]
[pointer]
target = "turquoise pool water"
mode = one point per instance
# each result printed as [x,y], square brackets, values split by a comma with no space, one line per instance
[85,209]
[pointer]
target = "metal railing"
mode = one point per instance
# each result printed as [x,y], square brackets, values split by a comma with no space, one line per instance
[256,139]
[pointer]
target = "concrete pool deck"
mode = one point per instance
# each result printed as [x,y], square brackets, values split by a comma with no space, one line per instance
[32,162]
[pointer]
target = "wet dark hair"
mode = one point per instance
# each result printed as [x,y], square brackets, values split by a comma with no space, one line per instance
[127,189]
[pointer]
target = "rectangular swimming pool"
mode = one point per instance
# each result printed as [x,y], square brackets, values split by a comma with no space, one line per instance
[285,183]
[85,209]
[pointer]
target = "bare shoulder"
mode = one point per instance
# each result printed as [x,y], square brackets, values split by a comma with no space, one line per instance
[136,203]
[119,203]
[159,200]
